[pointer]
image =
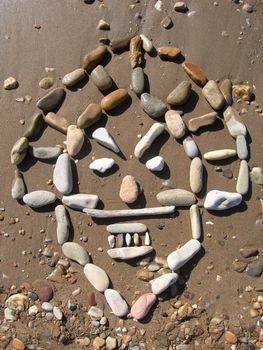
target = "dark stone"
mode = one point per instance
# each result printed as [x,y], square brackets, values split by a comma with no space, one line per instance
[52,100]
[255,269]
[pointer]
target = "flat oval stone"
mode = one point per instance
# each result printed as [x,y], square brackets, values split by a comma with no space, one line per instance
[155,163]
[242,185]
[241,145]
[127,227]
[221,200]
[195,221]
[234,122]
[195,73]
[35,126]
[117,304]
[57,122]
[18,186]
[175,124]
[37,199]
[142,305]
[101,78]
[76,252]
[102,164]
[220,154]
[180,94]
[90,116]
[213,95]
[97,277]
[135,51]
[154,107]
[146,141]
[62,175]
[75,140]
[160,284]
[137,80]
[74,77]
[226,90]
[177,197]
[81,201]
[46,83]
[129,189]
[51,100]
[168,52]
[190,147]
[113,99]
[146,44]
[63,224]
[19,151]
[256,175]
[126,253]
[181,256]
[44,153]
[94,57]
[199,122]
[196,175]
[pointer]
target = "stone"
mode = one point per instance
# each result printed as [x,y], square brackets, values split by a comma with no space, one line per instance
[136,239]
[221,200]
[175,124]
[239,266]
[199,122]
[111,241]
[180,94]
[256,175]
[114,99]
[151,105]
[242,185]
[46,153]
[102,136]
[142,305]
[146,141]
[52,100]
[226,90]
[195,73]
[128,239]
[10,83]
[75,140]
[57,122]
[137,80]
[95,313]
[111,343]
[101,78]
[135,51]
[93,58]
[97,277]
[17,344]
[177,197]
[230,337]
[45,292]
[227,173]
[81,201]
[247,8]
[196,175]
[47,307]
[57,313]
[248,250]
[62,175]
[89,116]
[190,147]
[19,151]
[180,6]
[195,221]
[63,224]
[102,164]
[147,239]
[98,343]
[213,95]
[33,310]
[91,299]
[167,22]
[102,25]
[220,154]
[243,91]
[160,284]
[128,190]
[168,52]
[241,146]
[126,253]
[76,252]
[121,44]
[126,228]
[254,269]
[74,77]
[17,302]
[117,304]
[234,122]
[154,267]
[155,163]
[146,44]
[37,199]
[18,186]
[181,256]
[46,83]
[35,126]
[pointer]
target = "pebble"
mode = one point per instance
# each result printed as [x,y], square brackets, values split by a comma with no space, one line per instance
[127,228]
[254,269]
[128,239]
[146,141]
[243,91]
[111,241]
[220,154]
[35,126]
[37,199]
[47,306]
[126,253]
[146,44]
[175,124]
[221,200]
[213,95]
[19,151]
[62,175]
[256,175]
[75,140]
[44,291]
[180,94]
[90,116]
[57,313]
[199,122]
[190,147]
[46,153]
[95,313]
[75,252]
[248,250]
[119,240]
[102,25]
[227,173]
[33,310]
[239,266]
[32,295]
[91,299]
[226,90]
[181,256]
[102,136]
[52,100]
[101,78]
[247,8]
[195,73]
[17,344]
[154,267]
[129,189]
[111,343]
[10,83]
[147,239]
[180,6]
[142,305]
[93,58]
[242,185]
[97,277]
[155,163]
[154,107]
[196,175]
[63,224]
[121,44]
[117,304]
[230,337]
[81,201]
[98,343]
[57,122]
[195,221]
[234,122]
[102,164]
[18,186]
[168,52]
[177,197]
[136,239]
[135,51]
[46,83]
[137,80]
[160,284]
[167,22]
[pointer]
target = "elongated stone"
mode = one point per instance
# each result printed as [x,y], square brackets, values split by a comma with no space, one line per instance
[74,77]
[241,145]
[126,253]
[126,227]
[155,163]
[121,43]
[177,197]
[63,224]
[129,189]
[75,140]
[175,124]
[195,73]
[137,80]
[81,201]
[221,200]
[119,240]
[136,239]
[89,116]
[168,52]
[199,122]
[113,99]
[52,100]
[226,90]
[19,151]
[128,239]
[45,153]
[180,94]
[111,241]
[116,302]
[57,122]
[102,136]
[18,186]
[190,147]
[160,284]
[135,51]
[35,126]
[94,57]
[234,122]
[101,78]
[146,141]
[243,178]
[181,256]
[146,44]
[37,199]
[196,175]
[76,252]
[154,107]
[220,154]
[195,221]
[97,277]
[102,164]
[62,175]
[147,239]
[213,95]
[142,305]
[98,213]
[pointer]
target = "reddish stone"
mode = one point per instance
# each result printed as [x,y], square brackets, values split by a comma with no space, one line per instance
[92,299]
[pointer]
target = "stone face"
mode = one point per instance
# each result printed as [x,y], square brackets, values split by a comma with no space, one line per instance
[19,151]
[62,175]
[75,140]
[168,52]
[196,175]
[52,100]
[97,277]
[195,221]
[234,122]
[45,153]
[226,90]
[126,253]
[81,201]
[199,122]
[101,78]
[160,284]
[151,105]
[195,73]
[220,154]
[117,304]
[37,199]
[137,80]
[129,189]
[10,83]
[142,305]
[190,147]
[35,126]
[93,58]
[18,186]
[102,136]
[126,227]
[241,145]
[175,124]
[213,95]
[177,197]
[180,94]
[46,83]
[102,164]
[243,91]
[57,122]
[155,164]
[256,175]
[75,252]
[242,185]
[135,51]
[221,200]
[74,77]
[181,256]
[90,116]
[113,99]
[146,141]
[63,224]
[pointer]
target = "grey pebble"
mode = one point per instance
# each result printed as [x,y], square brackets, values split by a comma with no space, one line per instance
[101,78]
[154,107]
[254,269]
[44,153]
[37,199]
[76,252]
[137,80]
[63,224]
[241,145]
[35,125]
[180,94]
[226,90]
[190,147]
[242,185]
[47,306]
[52,100]
[18,186]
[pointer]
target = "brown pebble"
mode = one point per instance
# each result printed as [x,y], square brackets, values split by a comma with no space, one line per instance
[248,251]
[135,51]
[113,99]
[89,116]
[91,299]
[93,58]
[243,91]
[129,189]
[199,122]
[195,73]
[168,52]
[17,344]
[57,122]
[45,292]
[230,337]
